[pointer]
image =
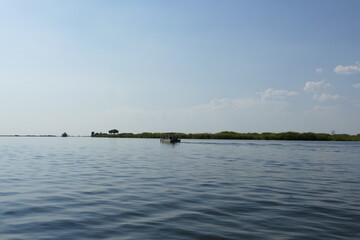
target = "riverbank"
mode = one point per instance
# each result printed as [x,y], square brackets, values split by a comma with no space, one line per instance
[308,136]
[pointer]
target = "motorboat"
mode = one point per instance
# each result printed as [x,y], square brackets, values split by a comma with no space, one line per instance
[170,139]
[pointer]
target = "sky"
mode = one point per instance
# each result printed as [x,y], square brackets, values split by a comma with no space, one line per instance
[189,66]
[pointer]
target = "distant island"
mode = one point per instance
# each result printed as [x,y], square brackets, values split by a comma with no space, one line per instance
[307,136]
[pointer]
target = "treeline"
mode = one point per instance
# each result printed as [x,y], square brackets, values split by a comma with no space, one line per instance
[308,136]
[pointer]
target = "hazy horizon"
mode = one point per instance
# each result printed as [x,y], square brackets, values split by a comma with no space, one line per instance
[184,66]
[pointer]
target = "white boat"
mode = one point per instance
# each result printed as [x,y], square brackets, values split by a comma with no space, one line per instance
[169,138]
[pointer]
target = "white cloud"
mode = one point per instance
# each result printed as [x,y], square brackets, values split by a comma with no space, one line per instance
[323,109]
[326,97]
[251,114]
[276,94]
[356,85]
[319,70]
[234,104]
[340,69]
[245,105]
[313,86]
[241,114]
[325,118]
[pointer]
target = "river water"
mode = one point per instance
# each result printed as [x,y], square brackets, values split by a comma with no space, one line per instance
[101,188]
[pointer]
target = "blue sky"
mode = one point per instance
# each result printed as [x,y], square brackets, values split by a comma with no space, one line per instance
[189,66]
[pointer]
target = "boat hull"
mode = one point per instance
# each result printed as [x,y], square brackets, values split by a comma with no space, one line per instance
[170,140]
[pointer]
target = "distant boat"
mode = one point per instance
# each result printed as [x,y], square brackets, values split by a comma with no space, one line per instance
[169,138]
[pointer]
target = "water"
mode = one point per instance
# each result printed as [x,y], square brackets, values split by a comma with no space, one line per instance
[84,188]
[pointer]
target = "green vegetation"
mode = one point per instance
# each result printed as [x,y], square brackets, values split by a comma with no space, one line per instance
[113,131]
[308,136]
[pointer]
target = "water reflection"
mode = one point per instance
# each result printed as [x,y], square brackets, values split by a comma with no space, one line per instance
[86,188]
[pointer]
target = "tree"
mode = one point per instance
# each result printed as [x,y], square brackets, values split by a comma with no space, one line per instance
[113,131]
[64,134]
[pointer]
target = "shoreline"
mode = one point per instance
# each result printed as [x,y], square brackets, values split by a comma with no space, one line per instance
[293,136]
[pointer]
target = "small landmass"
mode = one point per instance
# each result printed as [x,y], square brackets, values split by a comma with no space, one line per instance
[307,136]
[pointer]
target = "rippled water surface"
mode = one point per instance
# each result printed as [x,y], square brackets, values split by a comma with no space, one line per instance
[84,188]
